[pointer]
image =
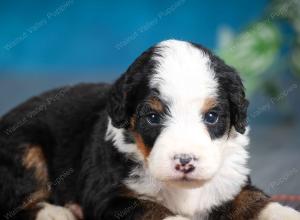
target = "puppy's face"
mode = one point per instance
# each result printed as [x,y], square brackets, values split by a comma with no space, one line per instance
[180,106]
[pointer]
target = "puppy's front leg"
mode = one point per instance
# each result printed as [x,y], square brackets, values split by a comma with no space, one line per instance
[275,211]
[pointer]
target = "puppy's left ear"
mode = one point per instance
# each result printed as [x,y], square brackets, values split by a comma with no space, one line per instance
[232,85]
[238,103]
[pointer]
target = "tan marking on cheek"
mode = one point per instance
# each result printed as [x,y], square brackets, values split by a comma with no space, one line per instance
[208,104]
[141,145]
[156,104]
[34,159]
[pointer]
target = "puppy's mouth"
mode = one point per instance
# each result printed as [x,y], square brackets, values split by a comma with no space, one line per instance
[186,182]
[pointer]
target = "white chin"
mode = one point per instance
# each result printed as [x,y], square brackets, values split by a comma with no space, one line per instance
[186,183]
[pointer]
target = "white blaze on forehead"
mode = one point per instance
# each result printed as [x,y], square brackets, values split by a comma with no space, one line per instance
[183,72]
[184,80]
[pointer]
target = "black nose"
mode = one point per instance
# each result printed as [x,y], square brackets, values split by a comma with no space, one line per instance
[183,158]
[184,163]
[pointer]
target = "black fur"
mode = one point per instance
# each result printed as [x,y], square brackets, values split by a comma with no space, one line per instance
[63,125]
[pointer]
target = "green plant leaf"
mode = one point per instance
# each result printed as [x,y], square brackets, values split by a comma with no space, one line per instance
[253,52]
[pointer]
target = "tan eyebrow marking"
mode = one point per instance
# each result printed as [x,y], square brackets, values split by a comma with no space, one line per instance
[156,104]
[208,104]
[141,145]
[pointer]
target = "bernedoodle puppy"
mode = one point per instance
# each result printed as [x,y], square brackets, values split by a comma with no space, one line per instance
[166,141]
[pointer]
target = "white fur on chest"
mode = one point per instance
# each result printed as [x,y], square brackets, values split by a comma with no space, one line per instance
[179,201]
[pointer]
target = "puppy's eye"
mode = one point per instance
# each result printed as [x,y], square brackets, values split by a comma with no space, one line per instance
[153,119]
[211,117]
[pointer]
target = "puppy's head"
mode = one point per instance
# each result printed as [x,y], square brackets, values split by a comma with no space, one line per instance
[181,109]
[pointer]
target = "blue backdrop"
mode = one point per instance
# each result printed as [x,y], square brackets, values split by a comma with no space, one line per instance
[77,36]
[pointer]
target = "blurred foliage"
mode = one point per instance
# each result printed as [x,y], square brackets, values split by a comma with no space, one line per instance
[257,52]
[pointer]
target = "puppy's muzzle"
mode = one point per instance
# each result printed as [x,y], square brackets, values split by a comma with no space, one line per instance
[185,163]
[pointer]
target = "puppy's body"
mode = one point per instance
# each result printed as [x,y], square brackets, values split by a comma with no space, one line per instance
[166,141]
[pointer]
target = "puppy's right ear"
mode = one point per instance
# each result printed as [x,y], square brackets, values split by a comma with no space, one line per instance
[117,104]
[130,88]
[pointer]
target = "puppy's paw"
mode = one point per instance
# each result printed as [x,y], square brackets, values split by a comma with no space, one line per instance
[275,211]
[52,212]
[177,217]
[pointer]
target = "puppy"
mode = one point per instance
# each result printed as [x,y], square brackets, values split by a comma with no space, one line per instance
[166,141]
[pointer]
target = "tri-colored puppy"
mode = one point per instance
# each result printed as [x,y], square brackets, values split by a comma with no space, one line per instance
[166,141]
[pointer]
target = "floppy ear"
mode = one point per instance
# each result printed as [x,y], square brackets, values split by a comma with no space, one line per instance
[232,86]
[124,96]
[129,89]
[238,103]
[116,105]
